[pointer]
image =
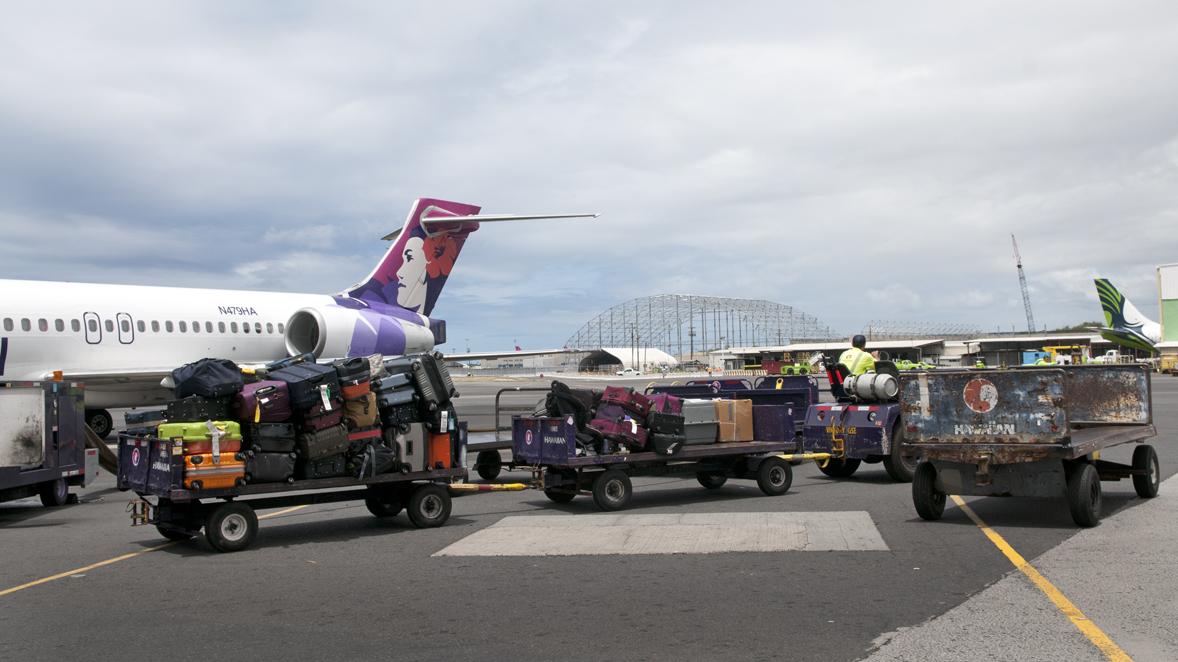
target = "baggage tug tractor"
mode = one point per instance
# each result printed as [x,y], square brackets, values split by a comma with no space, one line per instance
[865,425]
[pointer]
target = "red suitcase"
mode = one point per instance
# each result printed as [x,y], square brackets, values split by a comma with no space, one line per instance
[616,424]
[633,402]
[666,403]
[263,402]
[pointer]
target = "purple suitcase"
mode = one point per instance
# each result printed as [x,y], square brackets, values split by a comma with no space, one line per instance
[633,402]
[666,403]
[773,423]
[263,402]
[319,417]
[616,424]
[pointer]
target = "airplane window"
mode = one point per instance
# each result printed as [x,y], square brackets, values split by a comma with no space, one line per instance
[110,326]
[75,325]
[92,325]
[168,326]
[25,324]
[269,327]
[221,327]
[125,326]
[155,326]
[59,325]
[43,324]
[233,326]
[141,325]
[7,323]
[208,327]
[196,327]
[183,327]
[257,327]
[281,328]
[245,327]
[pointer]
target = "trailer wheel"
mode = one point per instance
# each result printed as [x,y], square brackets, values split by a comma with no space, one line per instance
[231,526]
[930,504]
[429,506]
[174,534]
[899,466]
[713,480]
[1145,458]
[384,502]
[774,476]
[488,464]
[839,467]
[612,490]
[1084,495]
[54,493]
[559,495]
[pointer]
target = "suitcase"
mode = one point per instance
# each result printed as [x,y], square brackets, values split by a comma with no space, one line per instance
[269,467]
[211,378]
[374,459]
[199,439]
[773,423]
[308,383]
[318,417]
[263,402]
[289,361]
[361,412]
[432,380]
[664,423]
[353,369]
[270,437]
[390,382]
[666,403]
[396,398]
[699,411]
[616,424]
[206,472]
[145,418]
[400,415]
[329,441]
[440,451]
[199,408]
[701,433]
[332,466]
[355,389]
[358,439]
[410,448]
[667,444]
[399,365]
[633,402]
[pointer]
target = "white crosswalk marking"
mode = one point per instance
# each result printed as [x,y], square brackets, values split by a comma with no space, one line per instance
[691,533]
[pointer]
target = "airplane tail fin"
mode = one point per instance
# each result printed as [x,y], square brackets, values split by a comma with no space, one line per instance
[415,268]
[1119,312]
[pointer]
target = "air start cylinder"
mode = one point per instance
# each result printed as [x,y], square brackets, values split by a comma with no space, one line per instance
[873,387]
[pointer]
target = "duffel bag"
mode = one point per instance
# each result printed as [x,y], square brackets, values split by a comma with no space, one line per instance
[329,441]
[375,459]
[211,378]
[361,412]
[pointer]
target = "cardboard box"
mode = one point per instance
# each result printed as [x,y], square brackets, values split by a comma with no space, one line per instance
[736,419]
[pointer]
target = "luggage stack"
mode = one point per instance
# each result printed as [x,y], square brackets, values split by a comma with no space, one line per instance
[212,453]
[620,419]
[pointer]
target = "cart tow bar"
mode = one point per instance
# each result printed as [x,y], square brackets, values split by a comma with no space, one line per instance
[140,510]
[488,487]
[817,457]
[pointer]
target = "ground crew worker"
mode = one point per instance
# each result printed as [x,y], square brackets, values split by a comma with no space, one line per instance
[980,363]
[856,359]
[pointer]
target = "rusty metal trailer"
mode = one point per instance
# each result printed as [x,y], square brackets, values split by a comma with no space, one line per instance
[1034,432]
[548,447]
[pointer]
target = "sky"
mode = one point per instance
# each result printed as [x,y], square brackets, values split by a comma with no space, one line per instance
[859,161]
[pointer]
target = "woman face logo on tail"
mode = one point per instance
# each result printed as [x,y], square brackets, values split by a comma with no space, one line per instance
[411,275]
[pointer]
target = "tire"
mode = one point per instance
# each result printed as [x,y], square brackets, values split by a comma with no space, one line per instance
[774,476]
[231,527]
[174,534]
[559,496]
[100,422]
[1146,458]
[839,468]
[612,490]
[712,480]
[930,504]
[1084,495]
[54,493]
[387,502]
[488,464]
[429,506]
[899,466]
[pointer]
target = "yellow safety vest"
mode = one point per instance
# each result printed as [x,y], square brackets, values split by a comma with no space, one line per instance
[857,361]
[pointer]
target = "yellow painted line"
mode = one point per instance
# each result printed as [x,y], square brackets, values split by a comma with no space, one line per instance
[117,559]
[1086,627]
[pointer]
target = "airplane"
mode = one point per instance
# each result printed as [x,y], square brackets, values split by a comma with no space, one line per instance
[1126,326]
[121,341]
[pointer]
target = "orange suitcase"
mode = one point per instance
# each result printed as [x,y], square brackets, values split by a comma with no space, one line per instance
[439,451]
[202,473]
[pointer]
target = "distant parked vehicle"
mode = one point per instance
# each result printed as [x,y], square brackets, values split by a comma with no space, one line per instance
[629,372]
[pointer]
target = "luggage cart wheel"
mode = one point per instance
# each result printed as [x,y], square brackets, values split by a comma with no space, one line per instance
[1084,495]
[56,493]
[384,502]
[1145,458]
[713,480]
[174,534]
[429,506]
[488,464]
[612,490]
[930,503]
[774,476]
[231,526]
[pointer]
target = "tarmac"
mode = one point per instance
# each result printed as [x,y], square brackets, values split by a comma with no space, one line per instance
[842,570]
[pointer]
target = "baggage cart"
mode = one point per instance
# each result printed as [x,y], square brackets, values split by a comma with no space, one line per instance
[488,461]
[1029,432]
[153,468]
[547,445]
[43,442]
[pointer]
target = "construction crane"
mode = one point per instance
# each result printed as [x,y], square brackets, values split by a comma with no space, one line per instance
[1022,281]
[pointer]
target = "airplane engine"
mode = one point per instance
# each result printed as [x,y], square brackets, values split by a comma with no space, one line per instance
[336,332]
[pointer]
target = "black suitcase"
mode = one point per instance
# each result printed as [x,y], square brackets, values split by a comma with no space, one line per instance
[399,365]
[212,378]
[432,380]
[666,444]
[332,466]
[270,437]
[200,408]
[269,467]
[392,382]
[308,382]
[352,370]
[400,415]
[374,459]
[328,441]
[662,423]
[144,417]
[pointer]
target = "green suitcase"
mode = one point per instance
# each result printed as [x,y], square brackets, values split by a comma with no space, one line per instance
[198,439]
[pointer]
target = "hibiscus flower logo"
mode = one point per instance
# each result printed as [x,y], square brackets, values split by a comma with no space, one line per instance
[440,253]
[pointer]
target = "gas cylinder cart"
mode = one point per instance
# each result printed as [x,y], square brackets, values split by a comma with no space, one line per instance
[154,468]
[1034,432]
[548,445]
